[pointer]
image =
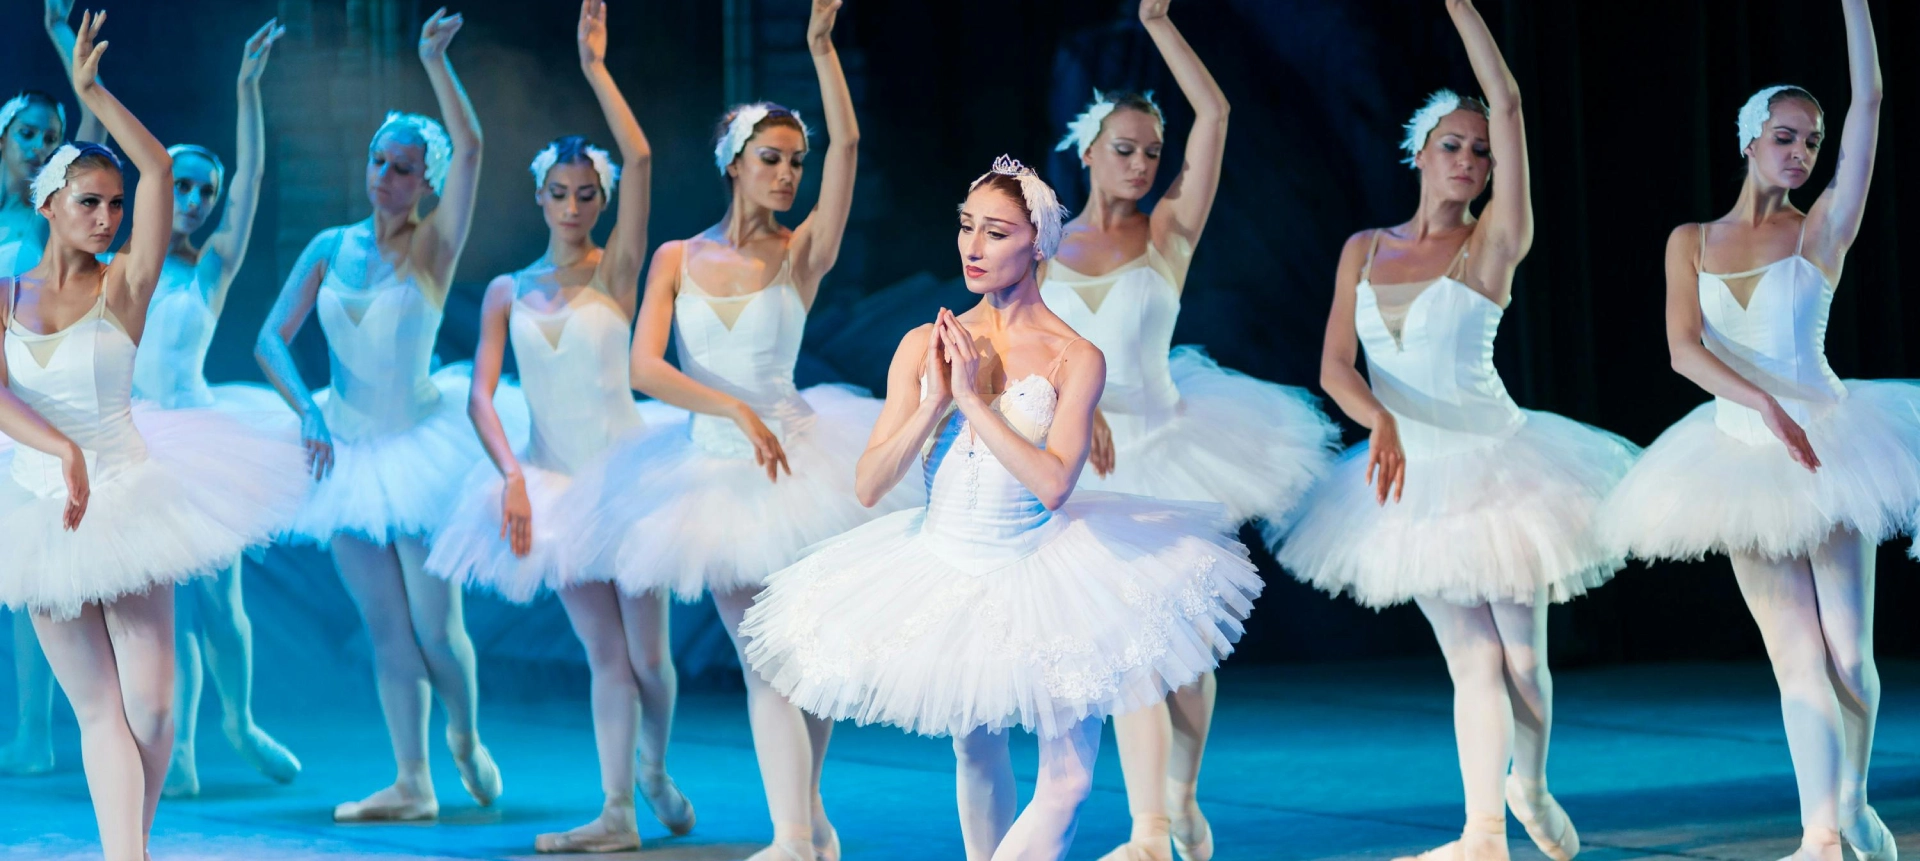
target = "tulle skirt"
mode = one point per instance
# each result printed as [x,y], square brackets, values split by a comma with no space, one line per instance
[1699,490]
[406,483]
[1498,523]
[1126,600]
[1255,447]
[470,551]
[209,488]
[666,513]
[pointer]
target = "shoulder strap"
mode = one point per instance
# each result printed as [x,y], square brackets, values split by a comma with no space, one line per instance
[1055,365]
[1454,269]
[1802,241]
[1373,244]
[1700,261]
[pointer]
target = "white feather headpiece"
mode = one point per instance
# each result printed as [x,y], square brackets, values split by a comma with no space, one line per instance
[19,103]
[1049,217]
[219,167]
[602,165]
[1754,114]
[1085,128]
[53,176]
[740,128]
[439,146]
[1440,104]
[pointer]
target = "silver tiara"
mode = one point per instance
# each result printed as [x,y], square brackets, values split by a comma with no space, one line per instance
[1010,166]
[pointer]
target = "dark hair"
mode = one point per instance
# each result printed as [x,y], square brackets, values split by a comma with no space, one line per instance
[570,149]
[1793,92]
[1142,102]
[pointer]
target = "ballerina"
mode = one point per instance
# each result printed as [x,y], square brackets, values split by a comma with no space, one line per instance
[761,470]
[107,506]
[1478,511]
[1171,425]
[388,440]
[567,317]
[169,371]
[1001,603]
[1792,472]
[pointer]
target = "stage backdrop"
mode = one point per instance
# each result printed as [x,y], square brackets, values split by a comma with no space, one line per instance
[1629,109]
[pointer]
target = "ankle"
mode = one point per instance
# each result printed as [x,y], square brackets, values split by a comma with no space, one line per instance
[793,832]
[1485,826]
[413,778]
[1152,828]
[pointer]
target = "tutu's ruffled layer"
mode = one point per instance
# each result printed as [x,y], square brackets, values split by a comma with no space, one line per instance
[469,551]
[665,513]
[1699,490]
[259,406]
[406,483]
[210,488]
[1128,599]
[1492,524]
[1253,446]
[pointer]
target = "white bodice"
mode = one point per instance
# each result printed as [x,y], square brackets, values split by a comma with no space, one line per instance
[84,389]
[1129,314]
[1777,342]
[746,346]
[574,372]
[977,510]
[380,349]
[1437,377]
[170,368]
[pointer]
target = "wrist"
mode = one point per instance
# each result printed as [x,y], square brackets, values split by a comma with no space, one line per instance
[71,453]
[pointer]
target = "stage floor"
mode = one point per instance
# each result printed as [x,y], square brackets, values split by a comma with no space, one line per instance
[1323,761]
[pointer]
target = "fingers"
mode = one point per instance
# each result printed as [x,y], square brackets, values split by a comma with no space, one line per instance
[1399,478]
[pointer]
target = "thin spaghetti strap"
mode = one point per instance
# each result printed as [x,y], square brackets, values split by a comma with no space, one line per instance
[1456,269]
[1700,261]
[1802,241]
[1055,366]
[1373,244]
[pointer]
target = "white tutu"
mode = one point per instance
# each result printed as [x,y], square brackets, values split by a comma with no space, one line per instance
[1699,490]
[470,552]
[1489,524]
[388,486]
[258,406]
[1123,600]
[667,512]
[1255,447]
[209,488]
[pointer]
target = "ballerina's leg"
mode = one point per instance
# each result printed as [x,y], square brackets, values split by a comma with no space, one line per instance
[1482,720]
[1191,714]
[1843,581]
[183,773]
[984,790]
[439,623]
[31,751]
[1044,830]
[373,577]
[227,637]
[650,654]
[783,742]
[594,610]
[1145,737]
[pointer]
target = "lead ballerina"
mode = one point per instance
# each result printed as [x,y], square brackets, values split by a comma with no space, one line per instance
[1460,501]
[1002,603]
[1792,472]
[762,469]
[1171,424]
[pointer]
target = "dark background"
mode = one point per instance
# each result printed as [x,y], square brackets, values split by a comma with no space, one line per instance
[1630,115]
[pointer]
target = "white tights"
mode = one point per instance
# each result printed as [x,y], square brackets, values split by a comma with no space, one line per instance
[1502,701]
[1160,751]
[115,662]
[420,647]
[634,683]
[1816,616]
[791,745]
[213,626]
[986,795]
[31,751]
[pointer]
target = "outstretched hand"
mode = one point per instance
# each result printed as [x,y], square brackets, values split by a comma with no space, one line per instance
[86,54]
[58,11]
[820,25]
[592,32]
[1151,10]
[437,33]
[259,45]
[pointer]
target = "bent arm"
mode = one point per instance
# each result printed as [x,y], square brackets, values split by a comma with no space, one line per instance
[487,358]
[1183,211]
[1686,324]
[1507,221]
[816,243]
[627,247]
[1051,472]
[1836,216]
[273,348]
[906,420]
[652,374]
[1340,350]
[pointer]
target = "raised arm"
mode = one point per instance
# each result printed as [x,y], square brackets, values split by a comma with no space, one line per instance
[139,262]
[447,226]
[1507,222]
[816,244]
[273,348]
[1049,472]
[1182,212]
[1834,221]
[626,250]
[228,245]
[58,12]
[1692,359]
[907,418]
[1340,375]
[516,510]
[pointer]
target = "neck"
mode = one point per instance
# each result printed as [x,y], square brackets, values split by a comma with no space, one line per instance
[16,191]
[1106,212]
[387,225]
[1759,202]
[1439,217]
[181,245]
[63,264]
[1014,304]
[746,221]
[563,253]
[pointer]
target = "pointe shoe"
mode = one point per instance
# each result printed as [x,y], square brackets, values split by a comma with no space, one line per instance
[614,831]
[1190,843]
[267,756]
[1492,844]
[785,850]
[1138,851]
[669,805]
[24,758]
[477,771]
[388,805]
[1813,848]
[1879,845]
[1443,852]
[827,848]
[183,776]
[1549,826]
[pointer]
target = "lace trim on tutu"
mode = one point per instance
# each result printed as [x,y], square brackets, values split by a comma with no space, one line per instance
[210,488]
[662,513]
[1508,522]
[1255,447]
[1698,490]
[1130,600]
